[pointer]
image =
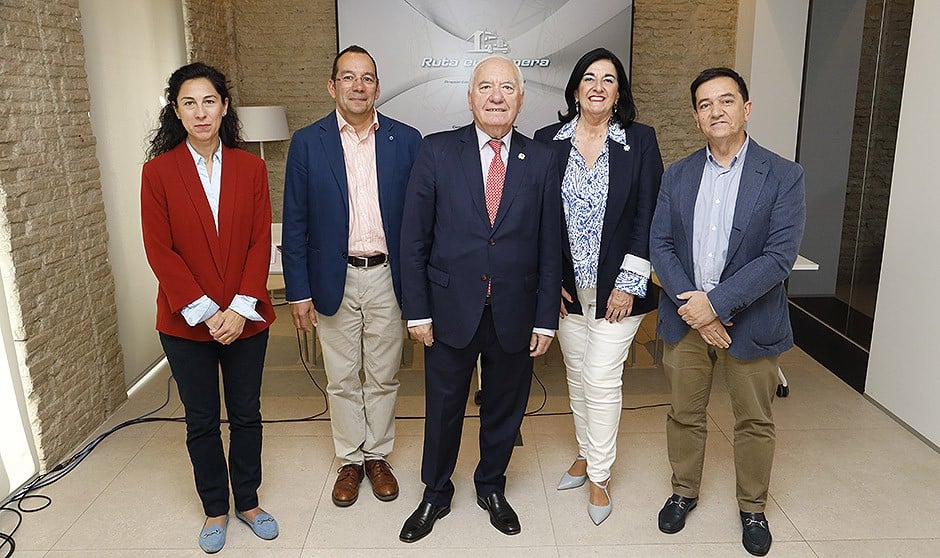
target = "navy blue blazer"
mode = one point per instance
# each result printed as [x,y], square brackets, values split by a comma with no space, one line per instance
[450,251]
[765,237]
[315,233]
[631,197]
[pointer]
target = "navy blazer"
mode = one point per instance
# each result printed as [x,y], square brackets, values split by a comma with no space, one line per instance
[315,233]
[765,237]
[635,172]
[450,252]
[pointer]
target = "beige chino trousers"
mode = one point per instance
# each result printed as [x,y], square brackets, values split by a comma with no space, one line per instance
[364,335]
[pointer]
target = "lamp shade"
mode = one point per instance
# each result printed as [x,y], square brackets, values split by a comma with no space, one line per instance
[263,123]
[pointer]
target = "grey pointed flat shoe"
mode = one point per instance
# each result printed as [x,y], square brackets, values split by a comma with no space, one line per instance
[570,481]
[600,513]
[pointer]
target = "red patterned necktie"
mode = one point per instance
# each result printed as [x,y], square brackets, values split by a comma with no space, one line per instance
[494,181]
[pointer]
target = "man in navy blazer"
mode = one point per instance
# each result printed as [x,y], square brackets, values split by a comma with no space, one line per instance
[343,197]
[725,234]
[481,276]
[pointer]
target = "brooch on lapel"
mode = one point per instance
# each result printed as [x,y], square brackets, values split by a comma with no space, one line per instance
[391,138]
[626,147]
[521,156]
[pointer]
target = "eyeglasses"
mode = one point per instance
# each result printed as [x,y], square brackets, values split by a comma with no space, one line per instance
[349,79]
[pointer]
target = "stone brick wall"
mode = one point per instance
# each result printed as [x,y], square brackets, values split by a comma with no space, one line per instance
[285,50]
[53,238]
[210,36]
[672,42]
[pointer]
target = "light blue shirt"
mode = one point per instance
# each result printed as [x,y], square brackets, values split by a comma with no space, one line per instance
[713,217]
[584,199]
[204,307]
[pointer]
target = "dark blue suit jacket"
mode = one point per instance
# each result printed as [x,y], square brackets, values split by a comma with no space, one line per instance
[316,207]
[631,197]
[450,252]
[765,237]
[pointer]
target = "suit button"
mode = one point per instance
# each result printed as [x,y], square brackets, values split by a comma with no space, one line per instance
[484,277]
[344,255]
[492,242]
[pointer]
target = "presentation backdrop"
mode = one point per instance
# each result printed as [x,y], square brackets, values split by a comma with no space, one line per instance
[426,49]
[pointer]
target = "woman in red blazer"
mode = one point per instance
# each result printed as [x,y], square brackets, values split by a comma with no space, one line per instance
[206,217]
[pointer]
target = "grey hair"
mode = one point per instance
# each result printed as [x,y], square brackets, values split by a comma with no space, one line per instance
[519,79]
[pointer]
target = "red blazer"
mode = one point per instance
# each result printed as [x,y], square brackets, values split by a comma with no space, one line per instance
[184,251]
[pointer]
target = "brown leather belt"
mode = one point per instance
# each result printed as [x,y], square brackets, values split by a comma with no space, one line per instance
[368,261]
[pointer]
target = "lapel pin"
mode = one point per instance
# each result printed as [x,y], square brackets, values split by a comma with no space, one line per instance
[521,156]
[626,147]
[391,138]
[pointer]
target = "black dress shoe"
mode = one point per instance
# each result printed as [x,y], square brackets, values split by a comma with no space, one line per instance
[672,516]
[756,537]
[420,523]
[501,513]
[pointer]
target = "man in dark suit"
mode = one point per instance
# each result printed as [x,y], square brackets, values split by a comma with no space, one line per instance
[481,276]
[725,234]
[343,198]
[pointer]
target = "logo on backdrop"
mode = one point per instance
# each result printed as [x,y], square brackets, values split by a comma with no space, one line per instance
[484,42]
[487,42]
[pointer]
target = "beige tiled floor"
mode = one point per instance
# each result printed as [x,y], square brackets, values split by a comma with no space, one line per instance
[848,481]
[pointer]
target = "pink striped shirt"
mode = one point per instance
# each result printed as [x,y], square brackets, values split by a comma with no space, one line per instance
[366,235]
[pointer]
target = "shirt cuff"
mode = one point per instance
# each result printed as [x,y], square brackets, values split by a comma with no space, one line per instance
[299,301]
[637,265]
[244,305]
[632,283]
[543,331]
[199,310]
[421,322]
[712,306]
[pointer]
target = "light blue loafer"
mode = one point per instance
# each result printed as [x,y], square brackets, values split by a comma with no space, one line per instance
[212,538]
[600,513]
[264,525]
[569,481]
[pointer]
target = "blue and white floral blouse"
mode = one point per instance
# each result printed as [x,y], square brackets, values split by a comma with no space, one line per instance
[584,198]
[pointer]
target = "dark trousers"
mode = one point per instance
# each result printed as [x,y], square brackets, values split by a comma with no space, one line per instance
[448,371]
[195,366]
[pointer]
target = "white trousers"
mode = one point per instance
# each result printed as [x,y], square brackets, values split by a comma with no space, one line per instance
[365,334]
[595,351]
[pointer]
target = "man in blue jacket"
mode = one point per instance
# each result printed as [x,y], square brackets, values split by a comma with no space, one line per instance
[725,234]
[343,198]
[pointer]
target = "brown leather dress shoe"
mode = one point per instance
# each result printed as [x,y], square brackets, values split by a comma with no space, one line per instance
[346,488]
[384,485]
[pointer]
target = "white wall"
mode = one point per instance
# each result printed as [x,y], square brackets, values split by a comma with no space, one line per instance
[770,44]
[17,453]
[903,371]
[131,47]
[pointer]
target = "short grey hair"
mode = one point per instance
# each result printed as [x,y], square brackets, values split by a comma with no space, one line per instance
[519,79]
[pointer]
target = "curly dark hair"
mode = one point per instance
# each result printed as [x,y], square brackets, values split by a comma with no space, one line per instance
[625,109]
[171,132]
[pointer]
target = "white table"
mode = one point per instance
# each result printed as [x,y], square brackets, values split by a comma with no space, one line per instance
[804,264]
[276,267]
